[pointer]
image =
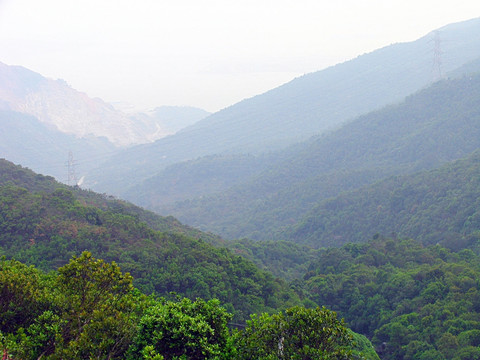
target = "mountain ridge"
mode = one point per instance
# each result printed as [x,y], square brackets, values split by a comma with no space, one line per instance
[55,103]
[436,125]
[299,109]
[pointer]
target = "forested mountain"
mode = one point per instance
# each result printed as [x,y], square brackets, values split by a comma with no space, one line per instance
[11,174]
[414,302]
[437,206]
[48,224]
[434,126]
[305,106]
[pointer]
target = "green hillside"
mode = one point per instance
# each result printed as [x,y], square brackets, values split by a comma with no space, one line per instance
[284,259]
[437,206]
[11,174]
[46,228]
[414,302]
[434,126]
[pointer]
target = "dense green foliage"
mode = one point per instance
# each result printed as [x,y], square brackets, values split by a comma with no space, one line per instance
[183,329]
[11,174]
[46,229]
[297,333]
[430,128]
[283,259]
[438,206]
[89,310]
[414,302]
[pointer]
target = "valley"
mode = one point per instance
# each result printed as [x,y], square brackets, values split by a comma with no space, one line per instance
[349,193]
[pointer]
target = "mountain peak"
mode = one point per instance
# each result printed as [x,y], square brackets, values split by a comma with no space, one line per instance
[56,103]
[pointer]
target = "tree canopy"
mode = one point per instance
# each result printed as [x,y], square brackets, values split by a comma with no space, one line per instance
[88,309]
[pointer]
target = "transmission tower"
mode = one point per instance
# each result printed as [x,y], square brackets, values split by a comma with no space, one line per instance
[71,176]
[437,57]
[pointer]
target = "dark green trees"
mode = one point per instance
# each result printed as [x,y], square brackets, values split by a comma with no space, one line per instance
[183,330]
[414,302]
[96,303]
[297,333]
[89,310]
[86,311]
[22,295]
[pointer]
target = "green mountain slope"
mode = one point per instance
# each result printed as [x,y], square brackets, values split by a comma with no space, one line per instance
[436,125]
[11,174]
[414,302]
[47,228]
[438,206]
[301,108]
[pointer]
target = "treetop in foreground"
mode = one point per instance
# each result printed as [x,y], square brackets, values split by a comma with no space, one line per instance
[89,309]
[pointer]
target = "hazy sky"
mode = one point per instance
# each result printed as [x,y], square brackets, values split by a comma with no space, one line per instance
[204,53]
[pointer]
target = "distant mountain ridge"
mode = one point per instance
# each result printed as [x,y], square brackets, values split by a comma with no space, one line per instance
[176,118]
[308,105]
[436,125]
[56,104]
[43,120]
[25,140]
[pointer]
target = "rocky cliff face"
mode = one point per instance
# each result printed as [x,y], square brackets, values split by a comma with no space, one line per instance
[55,103]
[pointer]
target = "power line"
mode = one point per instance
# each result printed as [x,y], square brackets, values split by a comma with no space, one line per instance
[71,175]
